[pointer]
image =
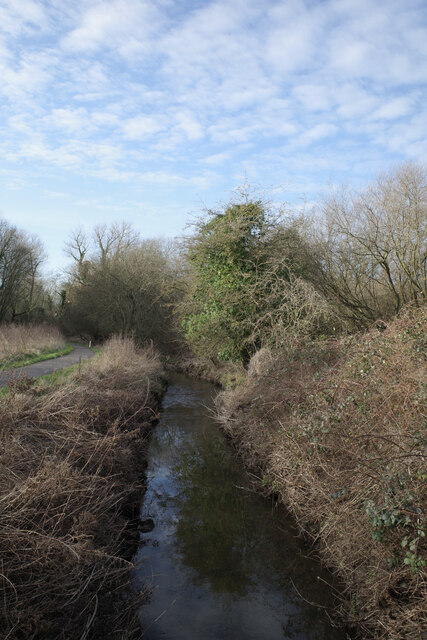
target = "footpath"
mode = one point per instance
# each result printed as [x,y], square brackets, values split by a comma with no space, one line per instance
[39,369]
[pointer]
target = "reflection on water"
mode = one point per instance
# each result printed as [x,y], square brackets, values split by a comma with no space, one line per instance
[222,563]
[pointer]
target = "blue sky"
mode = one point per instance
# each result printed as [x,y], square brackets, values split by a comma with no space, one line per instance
[145,110]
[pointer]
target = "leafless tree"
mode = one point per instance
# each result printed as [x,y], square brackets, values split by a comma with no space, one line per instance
[374,245]
[20,259]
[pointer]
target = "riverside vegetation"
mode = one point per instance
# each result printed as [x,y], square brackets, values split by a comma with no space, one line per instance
[71,466]
[315,325]
[337,431]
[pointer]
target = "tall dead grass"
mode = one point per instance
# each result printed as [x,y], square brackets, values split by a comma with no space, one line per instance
[338,431]
[71,460]
[20,339]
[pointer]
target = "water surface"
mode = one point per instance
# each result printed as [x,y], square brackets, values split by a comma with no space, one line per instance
[222,561]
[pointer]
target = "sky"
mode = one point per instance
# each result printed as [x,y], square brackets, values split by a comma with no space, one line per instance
[148,111]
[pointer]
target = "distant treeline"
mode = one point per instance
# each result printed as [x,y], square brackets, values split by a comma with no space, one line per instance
[252,274]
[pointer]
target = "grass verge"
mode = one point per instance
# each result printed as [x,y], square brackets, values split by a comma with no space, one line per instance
[71,464]
[31,358]
[337,430]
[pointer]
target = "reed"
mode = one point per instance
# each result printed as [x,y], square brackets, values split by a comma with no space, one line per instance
[17,340]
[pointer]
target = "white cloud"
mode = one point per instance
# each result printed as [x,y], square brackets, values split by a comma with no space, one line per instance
[314,97]
[142,127]
[354,102]
[23,15]
[291,47]
[123,25]
[393,109]
[68,120]
[351,56]
[55,194]
[316,133]
[188,124]
[27,76]
[157,92]
[403,135]
[216,159]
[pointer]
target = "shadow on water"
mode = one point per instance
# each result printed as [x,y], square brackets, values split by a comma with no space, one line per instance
[222,563]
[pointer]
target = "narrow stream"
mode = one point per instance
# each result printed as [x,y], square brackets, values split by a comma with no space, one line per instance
[222,563]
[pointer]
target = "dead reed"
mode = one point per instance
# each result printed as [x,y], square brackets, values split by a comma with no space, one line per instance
[19,339]
[71,462]
[338,431]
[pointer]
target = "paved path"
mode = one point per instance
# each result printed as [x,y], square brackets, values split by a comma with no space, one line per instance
[47,366]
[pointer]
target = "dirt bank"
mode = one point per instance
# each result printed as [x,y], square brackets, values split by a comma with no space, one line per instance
[337,431]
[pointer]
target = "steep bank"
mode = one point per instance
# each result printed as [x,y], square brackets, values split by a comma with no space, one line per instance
[70,475]
[337,430]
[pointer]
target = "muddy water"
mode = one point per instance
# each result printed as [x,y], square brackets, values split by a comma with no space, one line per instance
[222,562]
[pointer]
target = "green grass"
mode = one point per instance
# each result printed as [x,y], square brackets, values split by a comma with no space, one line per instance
[58,376]
[31,358]
[43,383]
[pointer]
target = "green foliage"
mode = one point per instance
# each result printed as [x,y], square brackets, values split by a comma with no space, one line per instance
[412,559]
[398,511]
[247,289]
[224,256]
[383,518]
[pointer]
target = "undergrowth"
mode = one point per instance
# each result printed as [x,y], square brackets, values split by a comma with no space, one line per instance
[224,374]
[71,459]
[337,430]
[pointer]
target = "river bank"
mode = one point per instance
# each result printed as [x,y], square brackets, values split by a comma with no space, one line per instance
[71,465]
[336,431]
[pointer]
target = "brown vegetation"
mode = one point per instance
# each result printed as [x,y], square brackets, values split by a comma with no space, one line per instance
[337,430]
[70,476]
[22,339]
[221,374]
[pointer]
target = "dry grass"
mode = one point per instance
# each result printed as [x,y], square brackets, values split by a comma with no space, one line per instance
[70,477]
[338,431]
[223,374]
[17,340]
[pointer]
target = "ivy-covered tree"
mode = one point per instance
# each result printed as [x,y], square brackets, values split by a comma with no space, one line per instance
[245,262]
[223,254]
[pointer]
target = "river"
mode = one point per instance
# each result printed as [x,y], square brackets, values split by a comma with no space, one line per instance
[222,562]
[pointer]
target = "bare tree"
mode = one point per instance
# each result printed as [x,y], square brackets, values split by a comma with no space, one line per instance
[127,287]
[112,241]
[78,245]
[20,260]
[374,248]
